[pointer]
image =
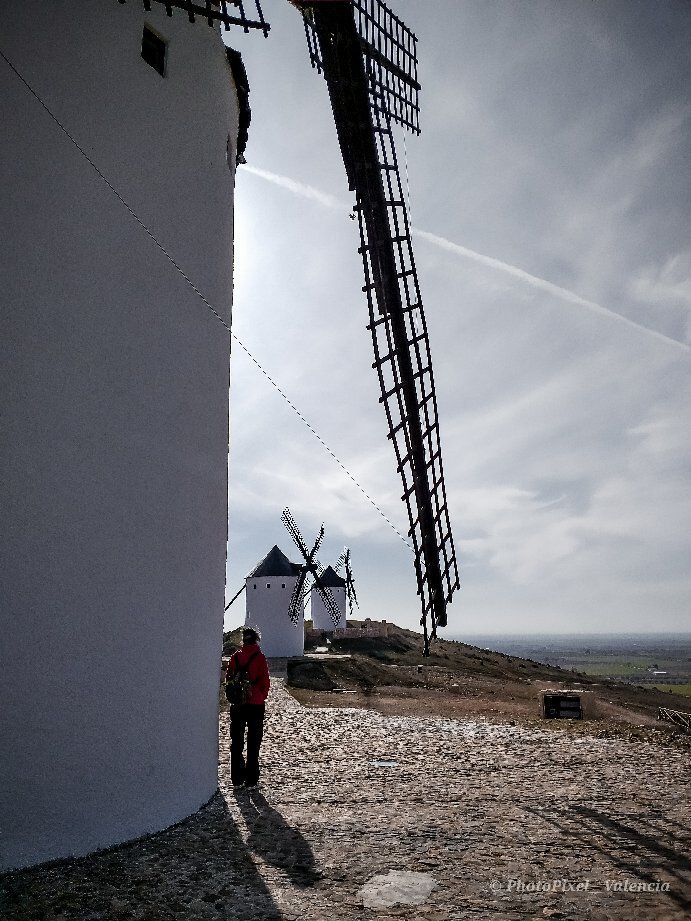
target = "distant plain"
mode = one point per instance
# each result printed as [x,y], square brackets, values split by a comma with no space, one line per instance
[655,660]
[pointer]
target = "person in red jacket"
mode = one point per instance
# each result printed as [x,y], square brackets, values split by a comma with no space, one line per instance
[249,716]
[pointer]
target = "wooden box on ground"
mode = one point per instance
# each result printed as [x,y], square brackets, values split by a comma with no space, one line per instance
[557,703]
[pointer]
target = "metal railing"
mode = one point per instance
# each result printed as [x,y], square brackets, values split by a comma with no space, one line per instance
[675,716]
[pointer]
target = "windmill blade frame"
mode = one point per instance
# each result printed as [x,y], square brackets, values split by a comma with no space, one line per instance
[298,599]
[312,567]
[369,61]
[350,585]
[341,559]
[299,541]
[228,12]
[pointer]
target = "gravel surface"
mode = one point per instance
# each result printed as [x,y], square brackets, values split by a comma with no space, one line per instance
[368,815]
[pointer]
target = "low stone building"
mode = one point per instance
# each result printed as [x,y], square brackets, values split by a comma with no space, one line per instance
[367,627]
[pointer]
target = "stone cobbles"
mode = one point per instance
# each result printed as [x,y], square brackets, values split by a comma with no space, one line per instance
[505,821]
[361,815]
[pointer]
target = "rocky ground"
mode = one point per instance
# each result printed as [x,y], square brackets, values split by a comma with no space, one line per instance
[376,815]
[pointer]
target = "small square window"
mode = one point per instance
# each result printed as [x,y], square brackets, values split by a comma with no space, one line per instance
[255,585]
[154,50]
[268,585]
[283,585]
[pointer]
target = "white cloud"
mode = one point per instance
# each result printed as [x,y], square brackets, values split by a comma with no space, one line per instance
[666,283]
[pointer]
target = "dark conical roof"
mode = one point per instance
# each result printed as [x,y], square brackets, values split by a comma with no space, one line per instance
[275,563]
[331,579]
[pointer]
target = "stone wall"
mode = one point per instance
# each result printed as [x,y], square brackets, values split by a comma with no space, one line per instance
[355,630]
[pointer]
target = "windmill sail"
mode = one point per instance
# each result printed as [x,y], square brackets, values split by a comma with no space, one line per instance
[311,567]
[344,560]
[368,59]
[228,12]
[350,585]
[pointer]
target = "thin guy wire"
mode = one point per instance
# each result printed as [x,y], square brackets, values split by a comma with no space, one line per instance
[320,440]
[407,180]
[196,290]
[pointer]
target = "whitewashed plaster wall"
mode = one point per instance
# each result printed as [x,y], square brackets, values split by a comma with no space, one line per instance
[321,619]
[114,383]
[267,605]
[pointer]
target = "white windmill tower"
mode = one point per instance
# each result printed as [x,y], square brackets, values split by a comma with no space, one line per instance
[122,125]
[268,592]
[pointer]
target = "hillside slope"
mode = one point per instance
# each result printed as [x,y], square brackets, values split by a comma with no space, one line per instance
[458,680]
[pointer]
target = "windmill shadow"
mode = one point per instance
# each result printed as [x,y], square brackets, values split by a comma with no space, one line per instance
[671,828]
[201,860]
[626,845]
[277,842]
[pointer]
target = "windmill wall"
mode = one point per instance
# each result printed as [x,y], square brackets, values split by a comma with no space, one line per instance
[321,619]
[114,378]
[268,602]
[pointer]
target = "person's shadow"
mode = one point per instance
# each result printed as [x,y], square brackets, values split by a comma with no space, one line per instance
[275,841]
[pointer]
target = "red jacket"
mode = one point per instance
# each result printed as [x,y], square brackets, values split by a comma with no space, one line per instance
[258,672]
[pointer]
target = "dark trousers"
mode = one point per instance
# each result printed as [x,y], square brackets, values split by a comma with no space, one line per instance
[250,717]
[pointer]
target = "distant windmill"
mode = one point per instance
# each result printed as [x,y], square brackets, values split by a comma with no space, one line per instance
[368,59]
[344,560]
[322,619]
[311,567]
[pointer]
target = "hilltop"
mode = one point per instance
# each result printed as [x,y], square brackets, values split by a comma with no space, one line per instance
[458,680]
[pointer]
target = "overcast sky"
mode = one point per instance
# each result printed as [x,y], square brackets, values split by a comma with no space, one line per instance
[551,201]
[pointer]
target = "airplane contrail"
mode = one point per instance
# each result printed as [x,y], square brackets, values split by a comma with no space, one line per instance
[544,285]
[330,201]
[298,188]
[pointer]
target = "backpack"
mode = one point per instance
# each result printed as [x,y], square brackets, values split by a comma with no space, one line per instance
[239,686]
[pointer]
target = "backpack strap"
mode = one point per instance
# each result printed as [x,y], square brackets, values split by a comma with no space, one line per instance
[243,668]
[246,668]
